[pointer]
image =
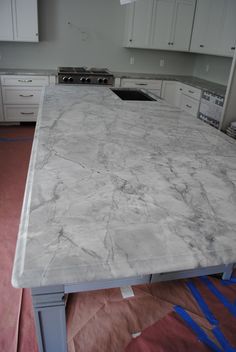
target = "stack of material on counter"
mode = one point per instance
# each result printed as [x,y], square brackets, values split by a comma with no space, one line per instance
[231,131]
[179,316]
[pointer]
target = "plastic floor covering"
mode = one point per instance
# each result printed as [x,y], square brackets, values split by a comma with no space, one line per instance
[16,320]
[158,317]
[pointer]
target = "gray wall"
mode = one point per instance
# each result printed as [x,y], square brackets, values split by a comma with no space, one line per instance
[94,38]
[219,68]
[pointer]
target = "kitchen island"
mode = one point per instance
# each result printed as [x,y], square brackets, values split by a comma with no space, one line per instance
[118,193]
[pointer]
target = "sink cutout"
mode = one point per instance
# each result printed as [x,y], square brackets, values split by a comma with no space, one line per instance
[132,94]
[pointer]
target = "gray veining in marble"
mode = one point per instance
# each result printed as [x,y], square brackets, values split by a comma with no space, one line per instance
[118,189]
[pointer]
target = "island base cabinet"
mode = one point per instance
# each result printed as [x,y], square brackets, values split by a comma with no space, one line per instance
[50,318]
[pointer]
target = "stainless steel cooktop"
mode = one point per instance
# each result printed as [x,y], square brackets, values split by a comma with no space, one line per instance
[83,75]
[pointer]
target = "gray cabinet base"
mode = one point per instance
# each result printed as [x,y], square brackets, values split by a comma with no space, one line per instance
[49,303]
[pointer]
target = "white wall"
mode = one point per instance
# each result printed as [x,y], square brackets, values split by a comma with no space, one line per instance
[219,68]
[94,38]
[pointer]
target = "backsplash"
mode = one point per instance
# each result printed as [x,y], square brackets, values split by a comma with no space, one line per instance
[212,68]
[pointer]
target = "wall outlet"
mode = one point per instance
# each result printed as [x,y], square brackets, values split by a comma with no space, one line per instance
[162,63]
[131,60]
[207,67]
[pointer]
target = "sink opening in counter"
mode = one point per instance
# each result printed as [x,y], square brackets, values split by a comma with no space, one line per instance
[132,94]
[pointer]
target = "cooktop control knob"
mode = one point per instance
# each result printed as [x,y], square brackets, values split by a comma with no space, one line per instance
[65,79]
[70,79]
[100,80]
[105,80]
[83,79]
[88,80]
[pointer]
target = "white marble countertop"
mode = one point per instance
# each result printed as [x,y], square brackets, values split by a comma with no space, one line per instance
[117,189]
[26,72]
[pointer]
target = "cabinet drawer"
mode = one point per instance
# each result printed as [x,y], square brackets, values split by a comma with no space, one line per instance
[191,91]
[11,80]
[21,112]
[23,95]
[190,105]
[141,83]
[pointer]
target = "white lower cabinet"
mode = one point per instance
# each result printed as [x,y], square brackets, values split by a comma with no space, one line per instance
[152,84]
[171,92]
[21,96]
[26,95]
[182,95]
[21,112]
[190,105]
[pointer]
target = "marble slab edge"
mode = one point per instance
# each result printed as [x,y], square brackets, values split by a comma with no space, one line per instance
[25,72]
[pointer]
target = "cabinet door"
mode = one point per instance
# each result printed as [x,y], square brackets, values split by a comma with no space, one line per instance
[228,39]
[162,24]
[139,15]
[207,29]
[172,92]
[190,105]
[25,15]
[183,23]
[6,24]
[168,92]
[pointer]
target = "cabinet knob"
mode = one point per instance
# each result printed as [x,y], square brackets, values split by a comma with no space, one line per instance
[202,46]
[131,40]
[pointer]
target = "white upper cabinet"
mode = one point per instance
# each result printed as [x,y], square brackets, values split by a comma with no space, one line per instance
[19,20]
[160,24]
[6,21]
[183,24]
[172,24]
[138,24]
[214,30]
[163,24]
[228,40]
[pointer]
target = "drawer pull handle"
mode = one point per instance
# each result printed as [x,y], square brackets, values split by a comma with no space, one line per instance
[27,113]
[141,84]
[189,106]
[26,96]
[25,80]
[190,91]
[232,47]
